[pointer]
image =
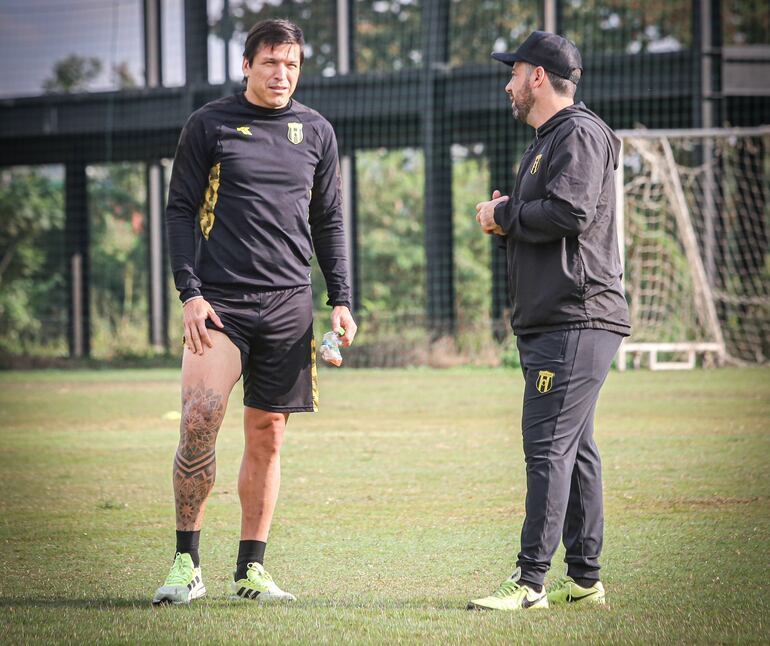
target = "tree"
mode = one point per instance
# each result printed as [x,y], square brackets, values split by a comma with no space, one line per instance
[745,22]
[73,74]
[31,245]
[116,205]
[76,73]
[123,77]
[315,18]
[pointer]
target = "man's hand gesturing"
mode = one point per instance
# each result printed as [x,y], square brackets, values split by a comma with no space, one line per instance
[485,214]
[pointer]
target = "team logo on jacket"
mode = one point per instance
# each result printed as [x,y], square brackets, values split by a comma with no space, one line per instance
[536,164]
[295,133]
[244,130]
[544,381]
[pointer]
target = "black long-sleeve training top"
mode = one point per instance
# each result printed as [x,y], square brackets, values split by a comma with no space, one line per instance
[564,269]
[253,193]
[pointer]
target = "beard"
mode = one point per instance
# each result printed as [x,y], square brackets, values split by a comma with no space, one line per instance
[522,104]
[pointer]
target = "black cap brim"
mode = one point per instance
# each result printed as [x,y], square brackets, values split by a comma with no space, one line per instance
[509,58]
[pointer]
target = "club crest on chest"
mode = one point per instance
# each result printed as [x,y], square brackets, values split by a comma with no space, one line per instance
[295,134]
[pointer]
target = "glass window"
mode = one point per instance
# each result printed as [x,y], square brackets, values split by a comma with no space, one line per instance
[70,46]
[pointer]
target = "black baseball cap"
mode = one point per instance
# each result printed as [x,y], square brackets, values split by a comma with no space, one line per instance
[551,51]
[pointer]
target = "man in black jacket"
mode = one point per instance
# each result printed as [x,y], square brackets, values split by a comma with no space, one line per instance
[569,315]
[253,194]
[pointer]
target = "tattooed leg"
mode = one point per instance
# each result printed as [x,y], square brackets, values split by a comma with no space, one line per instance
[207,380]
[195,461]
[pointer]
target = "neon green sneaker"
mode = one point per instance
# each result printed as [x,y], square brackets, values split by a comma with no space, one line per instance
[511,595]
[258,586]
[565,590]
[183,583]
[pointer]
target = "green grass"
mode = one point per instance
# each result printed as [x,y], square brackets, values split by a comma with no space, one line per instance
[401,499]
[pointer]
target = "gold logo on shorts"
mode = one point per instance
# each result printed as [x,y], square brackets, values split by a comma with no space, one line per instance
[536,164]
[544,381]
[295,134]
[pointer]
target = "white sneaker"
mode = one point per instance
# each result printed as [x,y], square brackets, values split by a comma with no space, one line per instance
[183,583]
[258,586]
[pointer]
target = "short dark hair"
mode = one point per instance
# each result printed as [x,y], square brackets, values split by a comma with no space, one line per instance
[272,33]
[562,86]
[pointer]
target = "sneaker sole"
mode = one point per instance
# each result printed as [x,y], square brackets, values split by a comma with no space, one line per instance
[262,598]
[475,606]
[169,600]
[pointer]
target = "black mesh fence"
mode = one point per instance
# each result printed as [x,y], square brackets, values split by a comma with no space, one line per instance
[93,94]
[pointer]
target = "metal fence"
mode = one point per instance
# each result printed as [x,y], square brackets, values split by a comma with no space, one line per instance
[94,94]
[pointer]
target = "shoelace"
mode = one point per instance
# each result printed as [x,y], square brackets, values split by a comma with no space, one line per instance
[560,582]
[259,570]
[506,589]
[179,574]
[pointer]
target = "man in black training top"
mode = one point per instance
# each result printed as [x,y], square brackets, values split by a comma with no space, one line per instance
[569,316]
[254,192]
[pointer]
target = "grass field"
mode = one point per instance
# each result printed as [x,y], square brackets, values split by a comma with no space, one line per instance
[400,500]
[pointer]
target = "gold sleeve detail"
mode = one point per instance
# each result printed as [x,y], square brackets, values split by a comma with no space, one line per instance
[314,373]
[206,214]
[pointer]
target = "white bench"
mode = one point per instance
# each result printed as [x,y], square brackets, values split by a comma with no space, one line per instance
[691,349]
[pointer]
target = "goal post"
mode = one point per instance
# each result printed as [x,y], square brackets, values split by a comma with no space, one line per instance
[693,211]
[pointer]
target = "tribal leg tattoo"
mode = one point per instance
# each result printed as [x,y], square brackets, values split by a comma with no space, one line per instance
[195,463]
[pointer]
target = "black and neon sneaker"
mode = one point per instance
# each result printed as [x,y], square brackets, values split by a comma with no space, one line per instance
[183,583]
[565,590]
[512,595]
[258,586]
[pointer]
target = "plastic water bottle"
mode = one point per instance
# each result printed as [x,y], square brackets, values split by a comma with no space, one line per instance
[330,348]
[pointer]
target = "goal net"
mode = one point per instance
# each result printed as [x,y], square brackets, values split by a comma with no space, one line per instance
[694,221]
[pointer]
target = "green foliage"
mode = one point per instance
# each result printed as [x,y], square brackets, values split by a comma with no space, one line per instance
[118,260]
[481,26]
[73,74]
[392,263]
[77,74]
[31,253]
[745,22]
[33,294]
[390,208]
[391,235]
[313,17]
[510,356]
[472,254]
[388,35]
[620,26]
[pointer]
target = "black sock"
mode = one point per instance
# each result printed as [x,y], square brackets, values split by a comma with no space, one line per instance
[249,552]
[537,587]
[584,583]
[187,543]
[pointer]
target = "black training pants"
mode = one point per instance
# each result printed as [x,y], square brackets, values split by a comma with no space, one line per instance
[563,371]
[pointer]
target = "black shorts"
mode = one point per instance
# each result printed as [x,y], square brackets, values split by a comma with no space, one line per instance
[274,332]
